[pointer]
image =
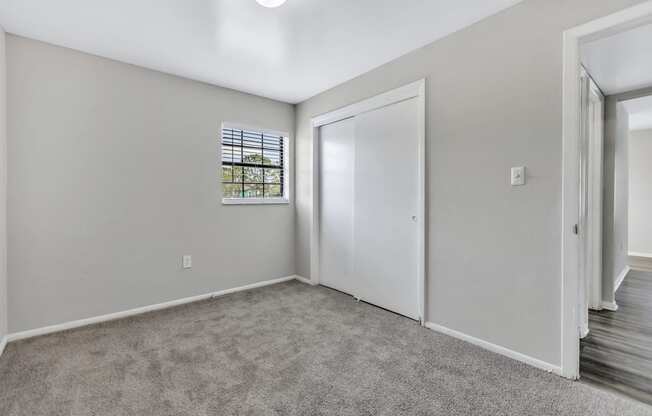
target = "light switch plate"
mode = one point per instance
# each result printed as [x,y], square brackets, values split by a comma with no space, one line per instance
[518,176]
[187,262]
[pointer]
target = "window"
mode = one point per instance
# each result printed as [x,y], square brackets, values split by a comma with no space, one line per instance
[253,166]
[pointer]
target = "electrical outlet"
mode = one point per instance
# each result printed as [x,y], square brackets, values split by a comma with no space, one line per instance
[187,262]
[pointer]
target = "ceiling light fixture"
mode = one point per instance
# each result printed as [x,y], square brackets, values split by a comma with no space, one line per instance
[271,3]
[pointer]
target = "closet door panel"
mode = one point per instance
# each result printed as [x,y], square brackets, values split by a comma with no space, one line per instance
[386,203]
[337,150]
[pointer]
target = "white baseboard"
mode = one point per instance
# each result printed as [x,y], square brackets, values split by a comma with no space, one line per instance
[304,280]
[637,254]
[621,278]
[3,344]
[542,365]
[584,332]
[610,306]
[640,261]
[137,311]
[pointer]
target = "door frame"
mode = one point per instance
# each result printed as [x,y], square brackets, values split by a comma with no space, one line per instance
[570,245]
[416,90]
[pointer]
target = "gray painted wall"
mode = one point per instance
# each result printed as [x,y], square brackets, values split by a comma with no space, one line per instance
[640,191]
[494,101]
[114,175]
[616,190]
[3,186]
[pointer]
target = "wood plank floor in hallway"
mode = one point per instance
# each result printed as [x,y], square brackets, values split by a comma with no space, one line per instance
[617,354]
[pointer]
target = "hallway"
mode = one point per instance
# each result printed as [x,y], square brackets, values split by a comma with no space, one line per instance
[617,353]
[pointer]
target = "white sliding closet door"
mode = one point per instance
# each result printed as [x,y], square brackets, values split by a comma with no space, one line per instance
[386,197]
[369,193]
[337,152]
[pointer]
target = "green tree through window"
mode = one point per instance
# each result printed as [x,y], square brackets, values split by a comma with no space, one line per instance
[252,164]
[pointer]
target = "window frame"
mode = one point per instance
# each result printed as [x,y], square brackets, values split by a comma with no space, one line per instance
[285,199]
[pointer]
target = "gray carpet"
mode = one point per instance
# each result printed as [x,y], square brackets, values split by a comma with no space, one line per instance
[288,349]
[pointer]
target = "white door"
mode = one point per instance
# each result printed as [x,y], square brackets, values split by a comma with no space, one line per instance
[369,204]
[386,198]
[594,188]
[590,204]
[337,151]
[583,205]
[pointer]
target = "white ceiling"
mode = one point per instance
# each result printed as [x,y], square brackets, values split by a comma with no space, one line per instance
[622,62]
[289,53]
[640,113]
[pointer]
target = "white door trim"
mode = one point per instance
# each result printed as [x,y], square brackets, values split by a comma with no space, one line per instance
[414,90]
[606,26]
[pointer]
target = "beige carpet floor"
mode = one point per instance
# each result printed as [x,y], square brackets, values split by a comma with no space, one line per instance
[288,349]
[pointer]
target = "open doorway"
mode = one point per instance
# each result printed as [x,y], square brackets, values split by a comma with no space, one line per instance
[616,350]
[612,197]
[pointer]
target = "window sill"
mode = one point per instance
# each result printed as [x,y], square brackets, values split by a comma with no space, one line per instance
[255,201]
